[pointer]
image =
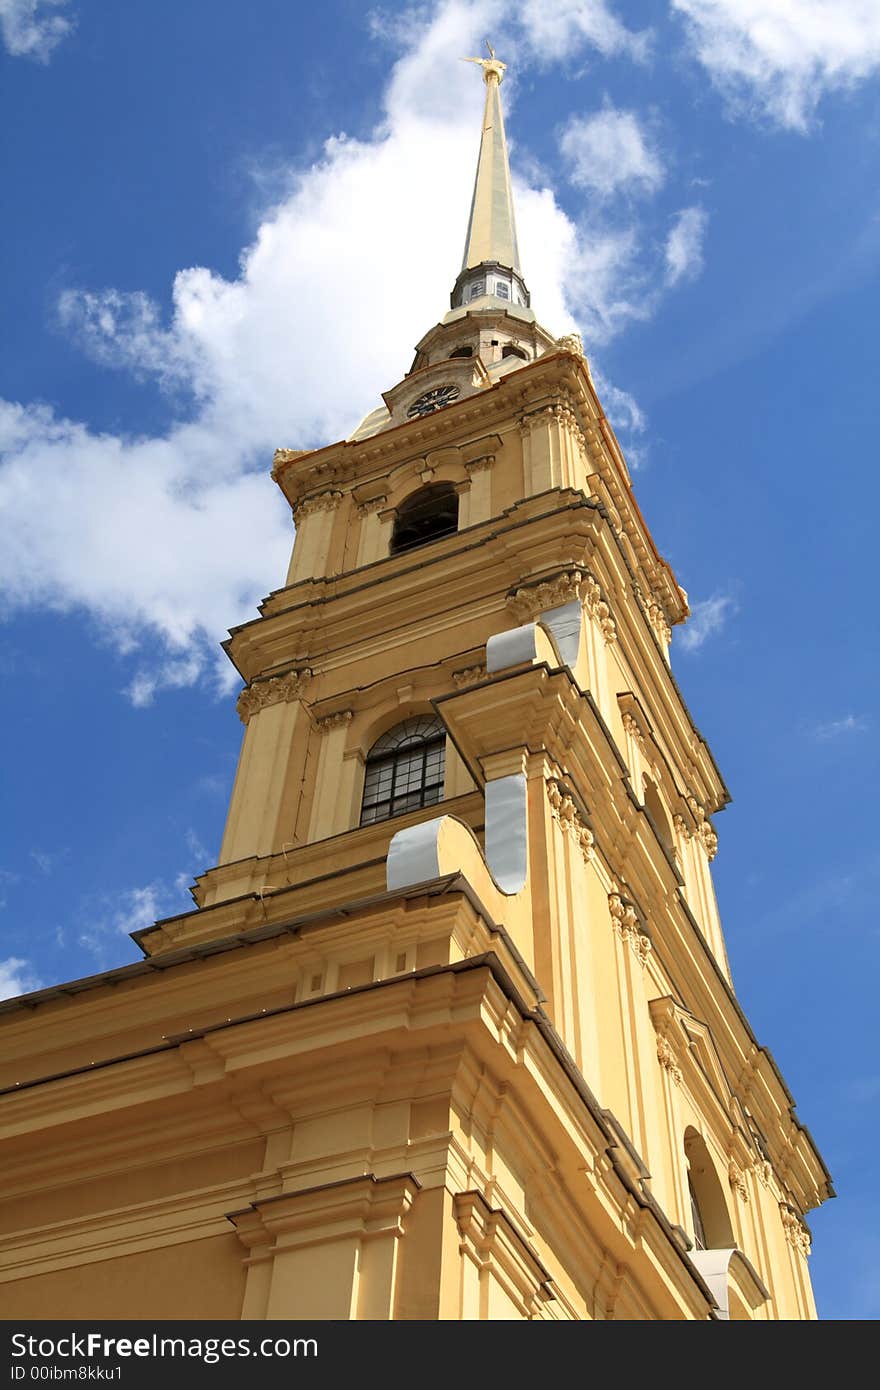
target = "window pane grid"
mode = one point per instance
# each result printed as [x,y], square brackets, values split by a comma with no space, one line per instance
[409,777]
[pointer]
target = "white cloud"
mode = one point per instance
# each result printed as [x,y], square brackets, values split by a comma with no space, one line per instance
[707,618]
[610,152]
[30,29]
[684,245]
[559,29]
[114,915]
[17,977]
[166,541]
[835,728]
[779,59]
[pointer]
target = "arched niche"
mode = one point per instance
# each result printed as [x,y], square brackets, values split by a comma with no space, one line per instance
[710,1217]
[658,813]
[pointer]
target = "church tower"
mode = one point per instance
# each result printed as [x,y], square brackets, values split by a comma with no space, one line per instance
[451,1033]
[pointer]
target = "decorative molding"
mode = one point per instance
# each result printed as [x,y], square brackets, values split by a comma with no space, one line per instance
[566,814]
[469,676]
[763,1169]
[599,609]
[373,504]
[796,1232]
[480,465]
[627,925]
[632,728]
[657,619]
[737,1181]
[529,599]
[491,1241]
[666,1058]
[319,502]
[705,830]
[261,693]
[334,721]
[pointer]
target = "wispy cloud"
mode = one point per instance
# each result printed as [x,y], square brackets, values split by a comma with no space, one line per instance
[561,30]
[17,977]
[32,28]
[610,153]
[684,245]
[48,860]
[777,61]
[838,728]
[113,915]
[7,879]
[707,619]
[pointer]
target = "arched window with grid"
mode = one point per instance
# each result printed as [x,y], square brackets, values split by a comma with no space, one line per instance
[405,769]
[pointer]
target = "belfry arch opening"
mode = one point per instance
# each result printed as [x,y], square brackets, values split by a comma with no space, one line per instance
[710,1218]
[426,515]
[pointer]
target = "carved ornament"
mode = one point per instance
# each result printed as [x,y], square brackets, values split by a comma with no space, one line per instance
[321,502]
[633,729]
[270,692]
[598,609]
[571,342]
[567,816]
[737,1181]
[657,619]
[469,676]
[666,1058]
[705,830]
[796,1232]
[530,599]
[480,465]
[626,923]
[334,721]
[373,504]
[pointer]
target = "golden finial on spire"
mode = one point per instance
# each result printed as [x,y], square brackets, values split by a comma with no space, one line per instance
[492,66]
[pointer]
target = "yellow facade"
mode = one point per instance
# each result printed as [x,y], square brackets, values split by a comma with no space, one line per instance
[481,1059]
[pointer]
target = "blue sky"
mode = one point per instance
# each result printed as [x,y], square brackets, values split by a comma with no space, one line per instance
[226,227]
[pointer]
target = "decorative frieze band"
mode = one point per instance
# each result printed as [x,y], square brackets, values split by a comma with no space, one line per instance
[471,675]
[566,814]
[270,692]
[334,721]
[320,502]
[626,923]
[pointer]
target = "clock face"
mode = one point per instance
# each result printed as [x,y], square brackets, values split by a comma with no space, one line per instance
[433,400]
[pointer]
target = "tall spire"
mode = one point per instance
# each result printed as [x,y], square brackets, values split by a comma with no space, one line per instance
[491,257]
[491,234]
